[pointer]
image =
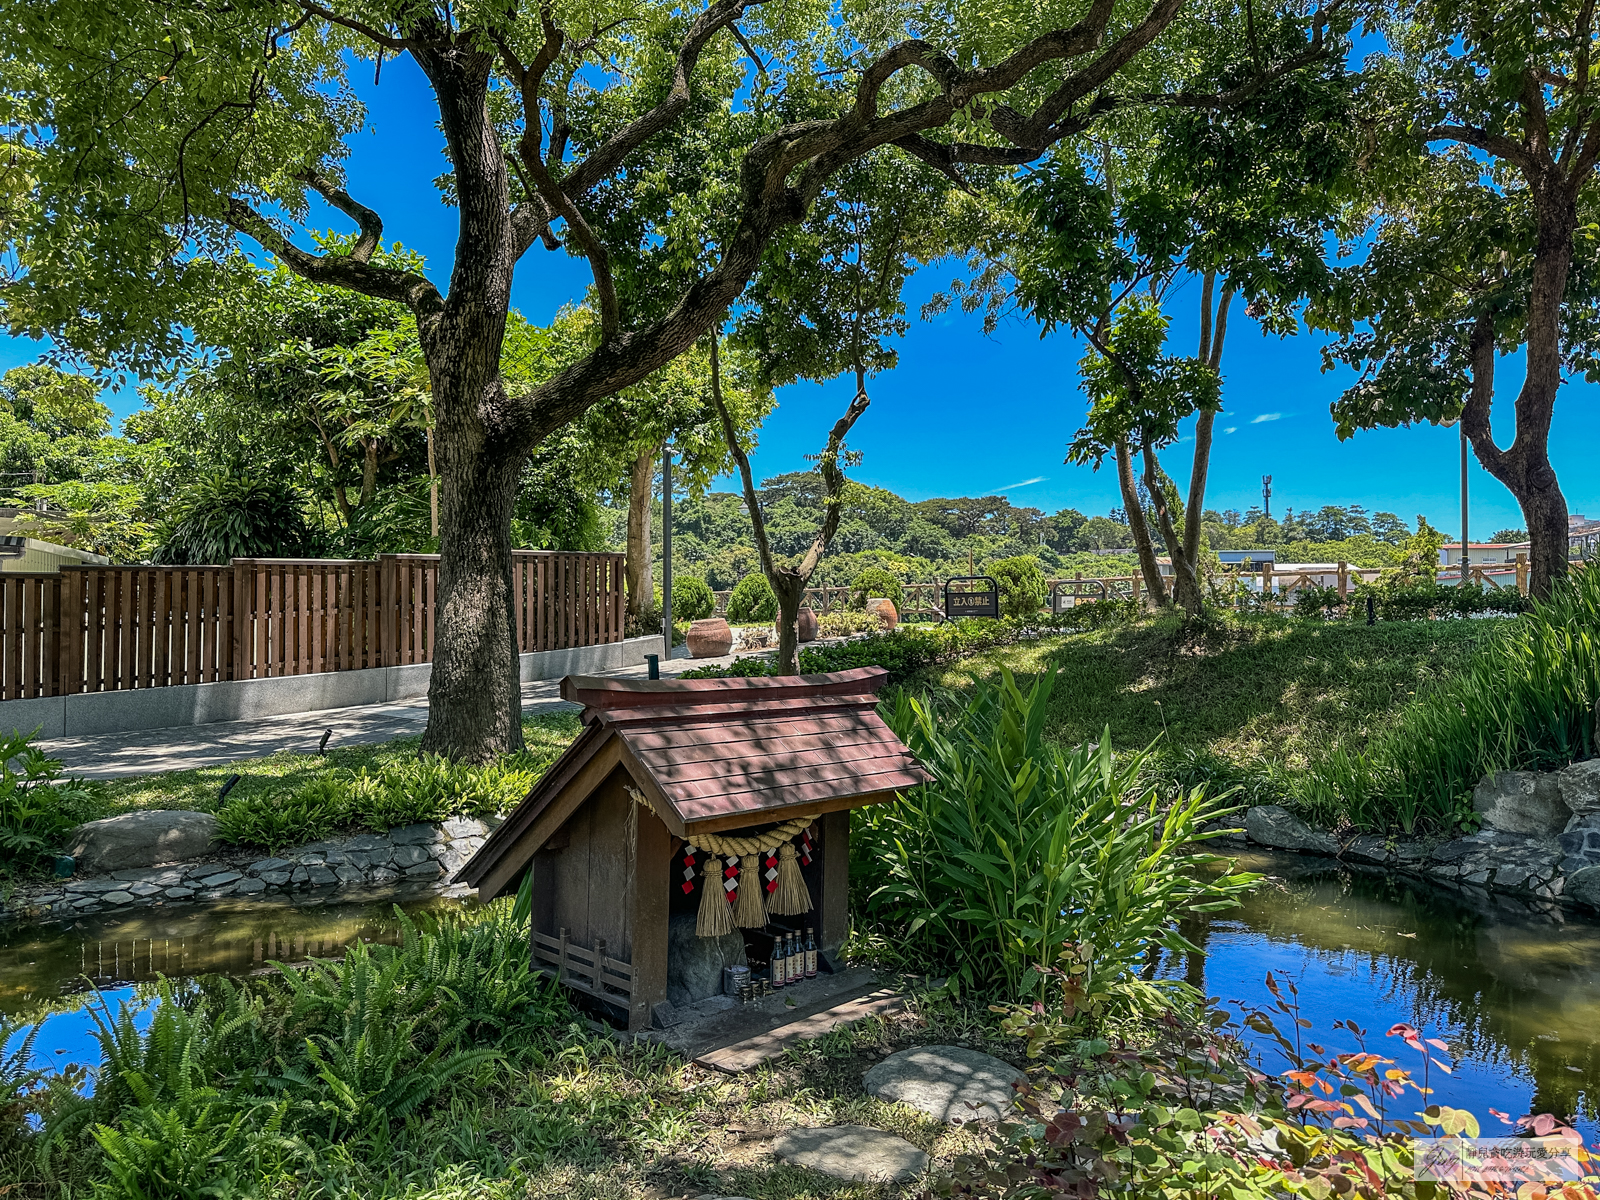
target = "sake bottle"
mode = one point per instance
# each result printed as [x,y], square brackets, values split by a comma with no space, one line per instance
[779,973]
[811,953]
[797,963]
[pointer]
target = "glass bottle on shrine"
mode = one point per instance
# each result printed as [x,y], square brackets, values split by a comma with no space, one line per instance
[797,962]
[778,972]
[811,953]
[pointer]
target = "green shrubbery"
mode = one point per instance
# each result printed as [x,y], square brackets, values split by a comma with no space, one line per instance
[1023,586]
[874,582]
[426,788]
[37,806]
[691,599]
[752,601]
[227,1085]
[1526,701]
[910,648]
[1020,847]
[1400,598]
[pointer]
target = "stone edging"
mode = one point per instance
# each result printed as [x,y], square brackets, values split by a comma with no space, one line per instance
[425,854]
[1527,866]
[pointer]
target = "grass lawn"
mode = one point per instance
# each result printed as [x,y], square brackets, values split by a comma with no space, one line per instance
[1257,691]
[608,1122]
[546,734]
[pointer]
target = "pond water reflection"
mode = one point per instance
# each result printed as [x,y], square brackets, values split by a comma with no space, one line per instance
[1513,988]
[50,973]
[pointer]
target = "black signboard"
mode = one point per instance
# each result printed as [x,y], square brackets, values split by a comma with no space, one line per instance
[983,602]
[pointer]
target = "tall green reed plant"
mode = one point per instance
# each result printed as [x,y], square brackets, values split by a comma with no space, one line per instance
[1527,701]
[1019,848]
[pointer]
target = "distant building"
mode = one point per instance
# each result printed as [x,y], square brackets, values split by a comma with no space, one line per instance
[25,555]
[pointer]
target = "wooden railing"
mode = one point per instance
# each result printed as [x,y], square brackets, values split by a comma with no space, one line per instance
[1265,581]
[99,629]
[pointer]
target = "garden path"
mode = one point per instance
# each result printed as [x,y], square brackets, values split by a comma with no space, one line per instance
[113,755]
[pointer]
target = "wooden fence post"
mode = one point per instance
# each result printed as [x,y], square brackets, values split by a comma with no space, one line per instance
[1344,581]
[1522,572]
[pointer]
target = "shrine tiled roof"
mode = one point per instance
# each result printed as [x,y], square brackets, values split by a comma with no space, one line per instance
[717,754]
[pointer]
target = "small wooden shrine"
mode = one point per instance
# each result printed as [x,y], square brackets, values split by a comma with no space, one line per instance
[709,805]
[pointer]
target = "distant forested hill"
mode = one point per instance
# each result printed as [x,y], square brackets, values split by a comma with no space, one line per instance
[711,535]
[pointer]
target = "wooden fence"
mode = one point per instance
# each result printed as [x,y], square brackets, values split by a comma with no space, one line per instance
[101,629]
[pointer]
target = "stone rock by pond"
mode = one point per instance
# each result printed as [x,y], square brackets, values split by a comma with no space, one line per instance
[1583,887]
[694,963]
[1581,842]
[1521,802]
[1579,786]
[1275,826]
[950,1083]
[852,1152]
[140,839]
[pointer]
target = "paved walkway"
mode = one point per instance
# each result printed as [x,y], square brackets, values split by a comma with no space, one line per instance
[113,755]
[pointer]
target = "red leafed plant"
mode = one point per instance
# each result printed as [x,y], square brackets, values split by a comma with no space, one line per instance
[1188,1117]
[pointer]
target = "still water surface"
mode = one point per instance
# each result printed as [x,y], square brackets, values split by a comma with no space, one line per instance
[1514,991]
[60,969]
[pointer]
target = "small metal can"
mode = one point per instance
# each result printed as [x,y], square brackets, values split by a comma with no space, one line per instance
[732,977]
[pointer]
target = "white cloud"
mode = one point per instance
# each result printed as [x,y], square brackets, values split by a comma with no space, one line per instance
[1022,483]
[1231,429]
[1265,417]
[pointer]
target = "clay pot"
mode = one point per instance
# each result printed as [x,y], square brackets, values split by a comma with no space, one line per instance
[884,608]
[806,627]
[710,638]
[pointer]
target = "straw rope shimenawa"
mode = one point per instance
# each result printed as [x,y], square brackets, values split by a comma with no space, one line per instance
[717,917]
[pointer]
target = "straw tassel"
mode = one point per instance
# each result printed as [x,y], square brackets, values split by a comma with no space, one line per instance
[715,919]
[792,899]
[749,912]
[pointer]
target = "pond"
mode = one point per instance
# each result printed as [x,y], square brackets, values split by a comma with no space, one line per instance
[1512,989]
[54,971]
[1514,992]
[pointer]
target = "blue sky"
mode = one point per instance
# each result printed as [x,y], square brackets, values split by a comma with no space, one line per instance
[969,414]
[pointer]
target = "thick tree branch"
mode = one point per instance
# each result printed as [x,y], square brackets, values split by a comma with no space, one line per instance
[605,159]
[376,36]
[593,248]
[371,224]
[771,197]
[1481,350]
[1493,143]
[339,270]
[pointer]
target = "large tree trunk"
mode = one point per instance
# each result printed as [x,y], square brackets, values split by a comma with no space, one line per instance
[1155,587]
[641,580]
[1525,468]
[1185,583]
[790,591]
[474,696]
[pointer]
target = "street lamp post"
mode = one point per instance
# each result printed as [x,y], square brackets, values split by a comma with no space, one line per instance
[666,548]
[1466,556]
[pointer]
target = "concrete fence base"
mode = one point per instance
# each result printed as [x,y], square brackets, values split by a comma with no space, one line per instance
[245,699]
